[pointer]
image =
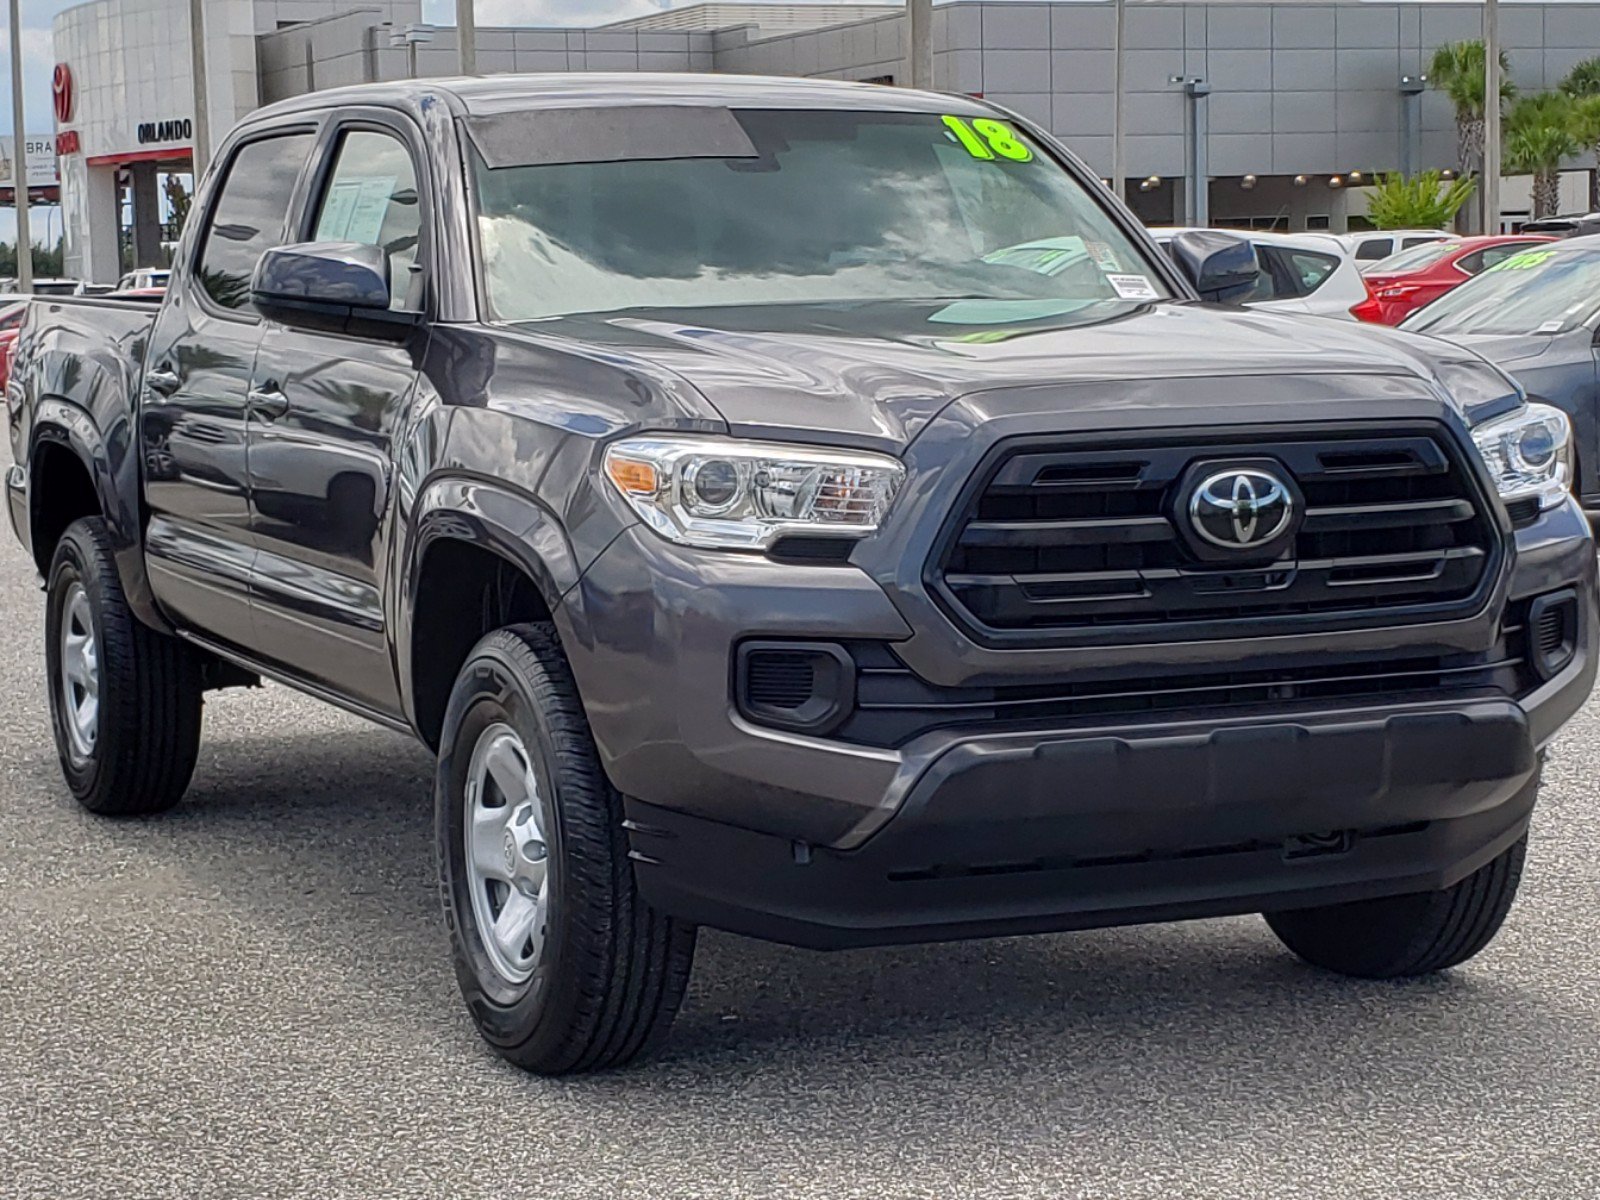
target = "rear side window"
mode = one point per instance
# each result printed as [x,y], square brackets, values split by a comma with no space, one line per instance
[1419,241]
[1374,248]
[1289,274]
[249,215]
[372,197]
[1482,260]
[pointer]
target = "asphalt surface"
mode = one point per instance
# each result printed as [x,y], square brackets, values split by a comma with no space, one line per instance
[250,997]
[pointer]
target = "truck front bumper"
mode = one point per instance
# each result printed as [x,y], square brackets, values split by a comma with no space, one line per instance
[972,831]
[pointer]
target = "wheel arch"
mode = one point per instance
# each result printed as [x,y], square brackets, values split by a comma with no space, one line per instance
[478,556]
[75,470]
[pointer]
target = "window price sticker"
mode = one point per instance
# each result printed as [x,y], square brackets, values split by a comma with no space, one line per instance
[1133,287]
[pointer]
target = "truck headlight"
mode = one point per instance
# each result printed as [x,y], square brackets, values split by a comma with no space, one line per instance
[1529,453]
[728,494]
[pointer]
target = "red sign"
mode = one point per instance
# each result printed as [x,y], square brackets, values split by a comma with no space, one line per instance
[61,90]
[68,143]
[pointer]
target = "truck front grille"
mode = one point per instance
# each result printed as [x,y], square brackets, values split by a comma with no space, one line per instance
[1057,539]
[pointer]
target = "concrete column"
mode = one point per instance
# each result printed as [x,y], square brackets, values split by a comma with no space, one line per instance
[146,215]
[101,254]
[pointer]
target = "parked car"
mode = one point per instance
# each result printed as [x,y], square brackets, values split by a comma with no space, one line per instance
[56,287]
[786,566]
[1537,316]
[1404,282]
[1568,225]
[10,325]
[142,278]
[1297,273]
[1372,246]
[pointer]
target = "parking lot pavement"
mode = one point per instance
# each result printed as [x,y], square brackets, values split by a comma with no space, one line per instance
[251,997]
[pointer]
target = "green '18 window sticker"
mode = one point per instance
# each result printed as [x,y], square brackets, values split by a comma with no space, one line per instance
[986,138]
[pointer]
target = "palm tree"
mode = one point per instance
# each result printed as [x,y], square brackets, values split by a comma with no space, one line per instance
[1583,85]
[1458,69]
[1540,134]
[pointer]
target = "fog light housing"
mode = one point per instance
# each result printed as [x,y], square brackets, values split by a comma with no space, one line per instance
[807,687]
[1552,633]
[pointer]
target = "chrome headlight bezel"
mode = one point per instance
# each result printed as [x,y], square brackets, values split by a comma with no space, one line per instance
[1529,454]
[757,492]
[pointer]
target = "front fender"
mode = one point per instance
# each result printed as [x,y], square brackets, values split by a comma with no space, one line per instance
[508,523]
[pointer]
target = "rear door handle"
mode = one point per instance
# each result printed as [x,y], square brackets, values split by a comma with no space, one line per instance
[268,402]
[162,381]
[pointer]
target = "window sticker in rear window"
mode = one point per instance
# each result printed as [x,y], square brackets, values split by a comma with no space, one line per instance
[1525,261]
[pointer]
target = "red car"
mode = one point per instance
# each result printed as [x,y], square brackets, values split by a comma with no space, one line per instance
[10,326]
[1404,282]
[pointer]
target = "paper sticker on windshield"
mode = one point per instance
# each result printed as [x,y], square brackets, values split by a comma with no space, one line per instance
[1104,256]
[1133,287]
[986,138]
[1525,261]
[1551,327]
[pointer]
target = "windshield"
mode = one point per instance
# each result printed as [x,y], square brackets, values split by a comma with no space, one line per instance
[827,207]
[1534,291]
[1413,259]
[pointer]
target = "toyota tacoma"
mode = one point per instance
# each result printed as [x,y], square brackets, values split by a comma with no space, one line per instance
[812,510]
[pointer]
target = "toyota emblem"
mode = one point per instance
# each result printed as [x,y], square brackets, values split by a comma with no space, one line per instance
[1242,508]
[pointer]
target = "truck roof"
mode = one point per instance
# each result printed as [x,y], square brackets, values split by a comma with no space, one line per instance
[493,95]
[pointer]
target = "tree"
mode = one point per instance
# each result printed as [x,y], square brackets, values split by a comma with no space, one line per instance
[1583,85]
[1458,70]
[1422,201]
[1540,134]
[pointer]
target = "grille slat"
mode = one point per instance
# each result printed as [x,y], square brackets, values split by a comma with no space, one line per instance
[1086,538]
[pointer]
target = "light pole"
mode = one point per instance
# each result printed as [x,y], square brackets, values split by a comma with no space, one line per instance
[1491,116]
[19,157]
[1118,167]
[197,66]
[466,37]
[1197,189]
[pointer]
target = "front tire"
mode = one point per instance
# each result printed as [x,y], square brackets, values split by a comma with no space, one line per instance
[125,701]
[561,963]
[1400,936]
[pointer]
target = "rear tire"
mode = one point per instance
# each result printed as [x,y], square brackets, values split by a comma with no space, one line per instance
[1400,936]
[563,966]
[125,701]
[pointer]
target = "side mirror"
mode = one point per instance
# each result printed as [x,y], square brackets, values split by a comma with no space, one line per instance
[1221,267]
[340,287]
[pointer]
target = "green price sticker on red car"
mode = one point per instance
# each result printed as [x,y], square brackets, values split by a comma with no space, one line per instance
[1525,261]
[988,139]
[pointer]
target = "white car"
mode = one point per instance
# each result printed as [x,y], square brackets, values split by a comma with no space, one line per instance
[1375,245]
[144,277]
[1299,272]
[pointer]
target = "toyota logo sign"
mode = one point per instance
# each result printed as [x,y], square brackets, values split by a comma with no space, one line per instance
[61,93]
[1241,508]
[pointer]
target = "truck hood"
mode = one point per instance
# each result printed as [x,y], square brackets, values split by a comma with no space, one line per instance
[876,374]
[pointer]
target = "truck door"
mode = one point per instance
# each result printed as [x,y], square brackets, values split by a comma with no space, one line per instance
[325,414]
[199,548]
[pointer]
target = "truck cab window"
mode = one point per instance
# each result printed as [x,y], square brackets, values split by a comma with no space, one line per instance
[372,198]
[249,215]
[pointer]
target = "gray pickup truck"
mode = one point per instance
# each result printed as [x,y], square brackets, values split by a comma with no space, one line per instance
[813,510]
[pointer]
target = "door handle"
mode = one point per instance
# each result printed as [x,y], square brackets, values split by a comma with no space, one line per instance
[268,403]
[162,381]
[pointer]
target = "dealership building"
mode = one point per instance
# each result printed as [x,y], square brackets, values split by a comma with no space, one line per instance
[1267,114]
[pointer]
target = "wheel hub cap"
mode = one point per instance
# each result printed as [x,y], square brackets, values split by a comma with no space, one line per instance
[507,866]
[80,673]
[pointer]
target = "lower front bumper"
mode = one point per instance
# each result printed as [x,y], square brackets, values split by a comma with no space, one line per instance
[1119,829]
[1025,835]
